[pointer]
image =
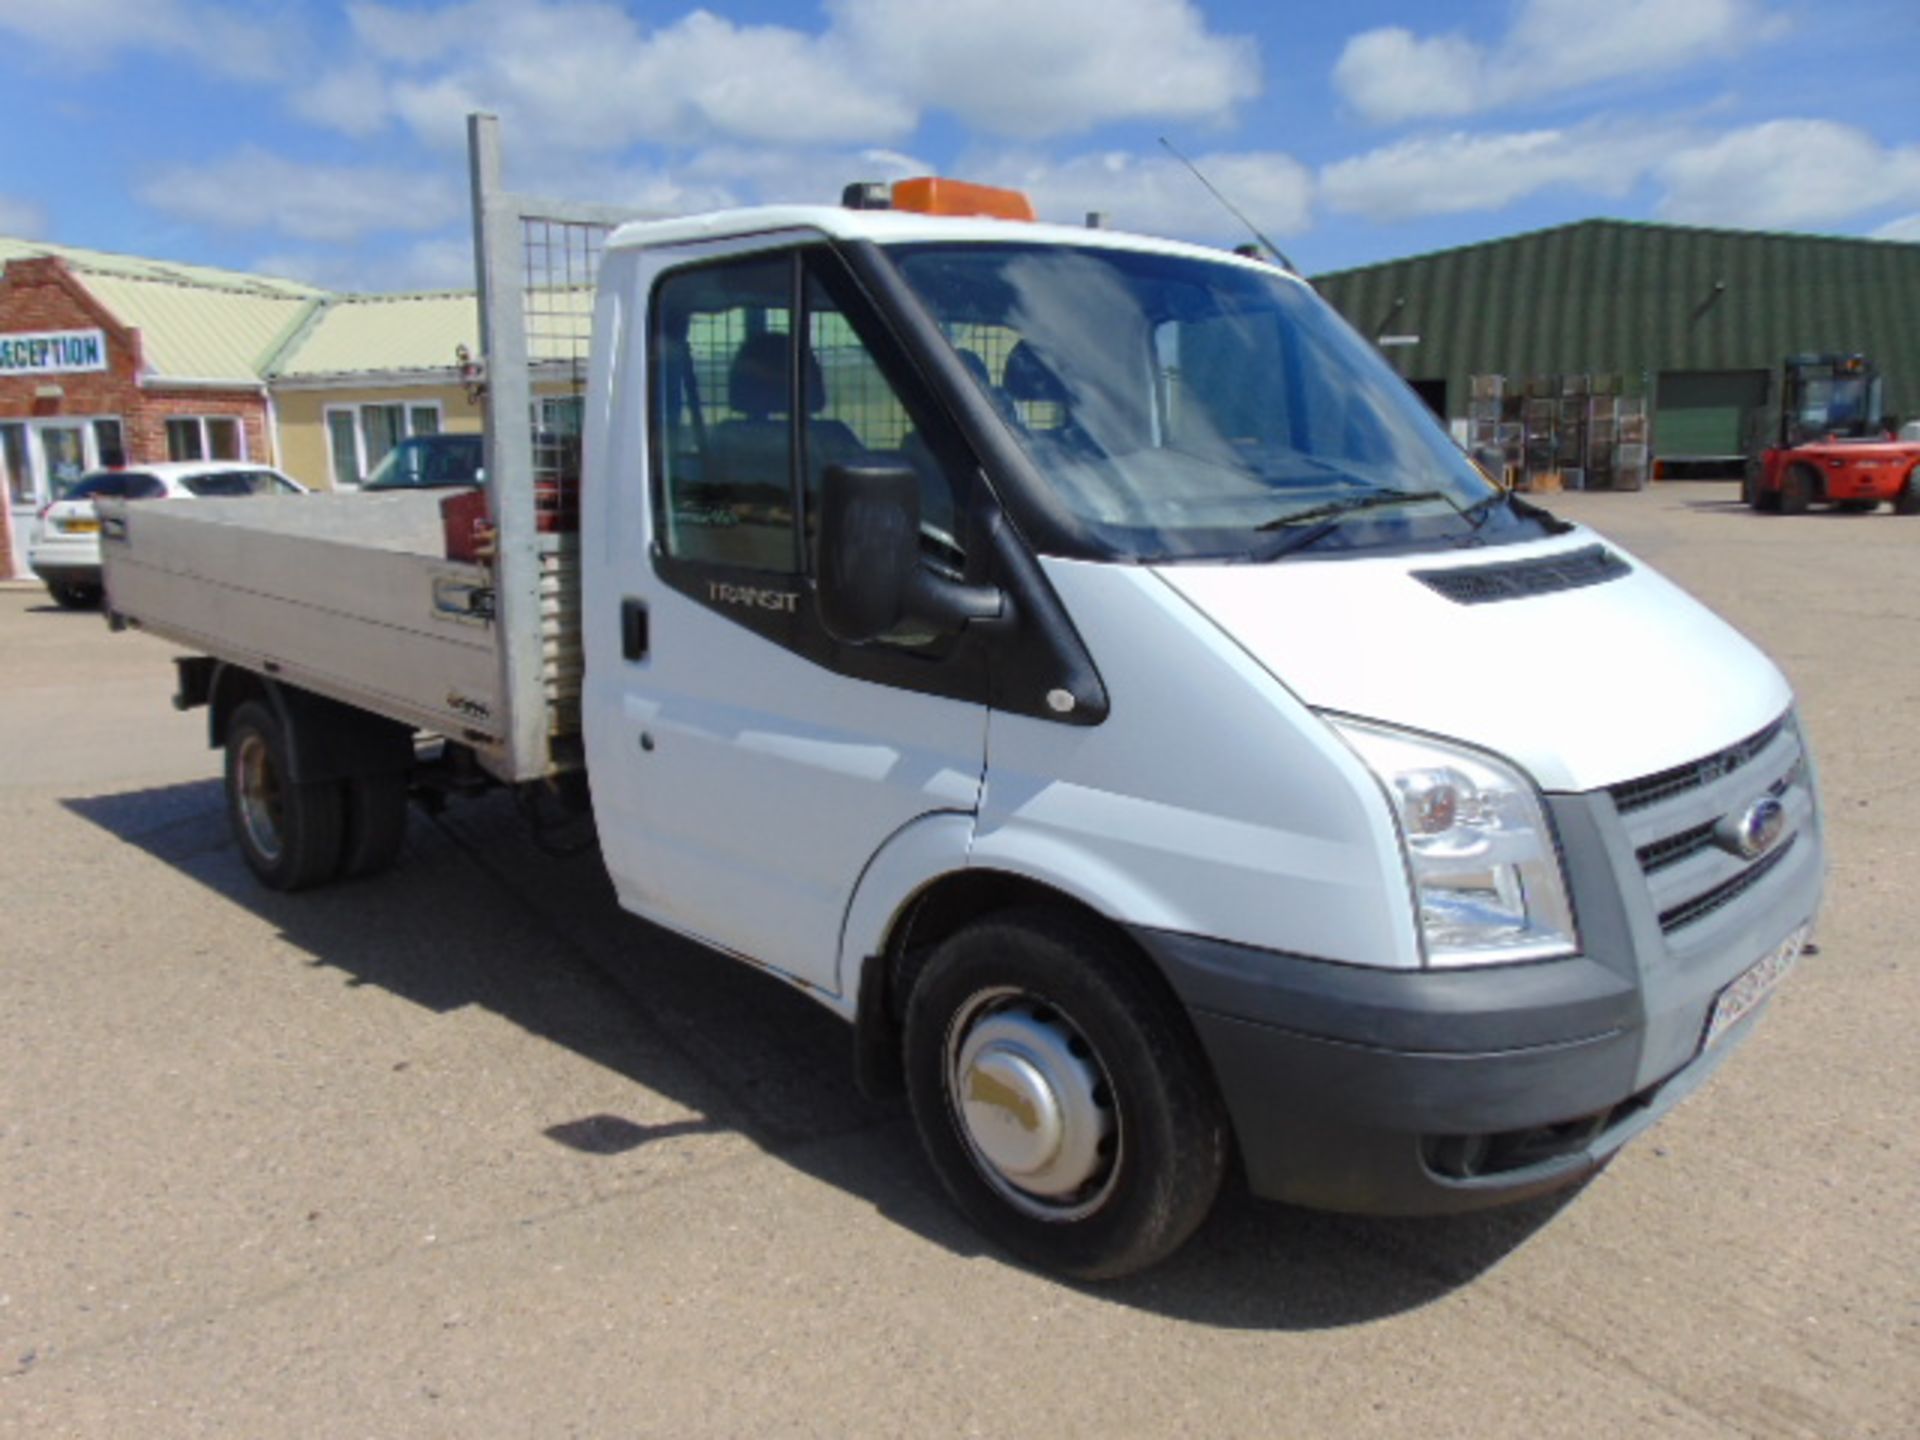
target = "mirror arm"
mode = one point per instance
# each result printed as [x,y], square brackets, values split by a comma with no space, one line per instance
[934,598]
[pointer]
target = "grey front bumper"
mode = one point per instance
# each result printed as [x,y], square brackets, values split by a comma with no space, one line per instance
[1420,1092]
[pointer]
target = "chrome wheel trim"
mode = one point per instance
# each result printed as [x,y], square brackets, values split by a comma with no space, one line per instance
[262,807]
[1033,1104]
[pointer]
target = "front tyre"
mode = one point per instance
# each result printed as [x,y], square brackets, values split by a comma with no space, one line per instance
[1061,1095]
[289,833]
[1799,488]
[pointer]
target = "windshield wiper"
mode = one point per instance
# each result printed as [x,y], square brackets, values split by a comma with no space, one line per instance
[1481,511]
[1322,520]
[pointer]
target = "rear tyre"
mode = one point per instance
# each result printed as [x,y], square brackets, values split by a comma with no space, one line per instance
[374,824]
[289,833]
[1907,502]
[1797,490]
[1062,1097]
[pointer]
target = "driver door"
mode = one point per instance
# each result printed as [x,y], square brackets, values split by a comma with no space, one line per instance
[758,766]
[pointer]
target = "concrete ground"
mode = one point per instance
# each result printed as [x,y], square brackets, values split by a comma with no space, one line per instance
[463,1151]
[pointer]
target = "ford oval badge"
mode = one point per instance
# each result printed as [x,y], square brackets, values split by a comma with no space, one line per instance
[1754,832]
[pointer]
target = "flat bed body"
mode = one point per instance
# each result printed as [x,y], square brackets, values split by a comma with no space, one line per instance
[349,596]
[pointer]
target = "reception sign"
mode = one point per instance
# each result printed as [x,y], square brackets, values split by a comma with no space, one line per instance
[53,352]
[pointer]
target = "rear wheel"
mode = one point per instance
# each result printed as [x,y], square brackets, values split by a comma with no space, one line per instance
[1061,1096]
[375,823]
[289,833]
[1907,502]
[1798,487]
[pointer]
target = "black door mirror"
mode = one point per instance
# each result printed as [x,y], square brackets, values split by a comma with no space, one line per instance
[869,548]
[869,577]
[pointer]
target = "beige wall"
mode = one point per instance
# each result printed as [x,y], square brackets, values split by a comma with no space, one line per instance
[303,425]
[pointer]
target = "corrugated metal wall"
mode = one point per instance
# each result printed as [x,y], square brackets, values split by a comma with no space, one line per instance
[1613,296]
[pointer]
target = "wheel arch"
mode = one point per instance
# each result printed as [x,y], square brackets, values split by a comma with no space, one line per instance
[939,908]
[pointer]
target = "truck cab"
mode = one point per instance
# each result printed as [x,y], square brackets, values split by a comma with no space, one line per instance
[1078,660]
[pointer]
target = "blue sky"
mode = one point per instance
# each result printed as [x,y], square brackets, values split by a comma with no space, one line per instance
[324,140]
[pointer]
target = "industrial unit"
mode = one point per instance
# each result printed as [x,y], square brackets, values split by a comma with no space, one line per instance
[1693,322]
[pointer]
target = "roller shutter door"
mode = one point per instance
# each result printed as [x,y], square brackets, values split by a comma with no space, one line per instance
[1704,413]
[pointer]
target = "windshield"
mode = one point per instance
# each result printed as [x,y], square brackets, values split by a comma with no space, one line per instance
[428,463]
[1182,408]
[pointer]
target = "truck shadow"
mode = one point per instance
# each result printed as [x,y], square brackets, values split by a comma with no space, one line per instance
[476,915]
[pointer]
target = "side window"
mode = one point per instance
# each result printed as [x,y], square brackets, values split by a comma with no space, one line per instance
[723,414]
[857,417]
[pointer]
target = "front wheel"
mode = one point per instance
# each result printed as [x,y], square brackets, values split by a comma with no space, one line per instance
[1799,487]
[288,832]
[1062,1097]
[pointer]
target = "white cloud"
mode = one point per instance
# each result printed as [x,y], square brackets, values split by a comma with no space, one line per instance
[1907,227]
[585,75]
[1158,195]
[354,101]
[1392,74]
[437,263]
[1456,173]
[223,38]
[255,190]
[1785,174]
[1013,67]
[1553,47]
[22,219]
[761,175]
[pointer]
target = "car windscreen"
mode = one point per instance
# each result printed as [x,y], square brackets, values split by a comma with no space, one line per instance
[438,462]
[228,483]
[1182,408]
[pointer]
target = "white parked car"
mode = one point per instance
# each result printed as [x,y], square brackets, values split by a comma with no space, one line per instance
[64,547]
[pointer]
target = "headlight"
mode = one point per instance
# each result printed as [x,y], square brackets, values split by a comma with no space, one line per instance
[1485,870]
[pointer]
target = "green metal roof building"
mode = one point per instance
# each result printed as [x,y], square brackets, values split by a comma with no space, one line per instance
[1696,320]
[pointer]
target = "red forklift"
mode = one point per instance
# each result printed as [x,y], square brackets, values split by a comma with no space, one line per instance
[1832,443]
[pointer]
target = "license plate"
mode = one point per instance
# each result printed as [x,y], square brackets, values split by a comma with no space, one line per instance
[80,527]
[1753,985]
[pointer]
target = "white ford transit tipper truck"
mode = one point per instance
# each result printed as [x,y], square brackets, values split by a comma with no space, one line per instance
[1079,662]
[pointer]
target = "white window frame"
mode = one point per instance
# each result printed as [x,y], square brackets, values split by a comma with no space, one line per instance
[354,408]
[206,448]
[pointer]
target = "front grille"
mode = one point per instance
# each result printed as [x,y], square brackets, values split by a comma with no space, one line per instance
[1634,795]
[1675,848]
[1726,893]
[1486,584]
[1675,822]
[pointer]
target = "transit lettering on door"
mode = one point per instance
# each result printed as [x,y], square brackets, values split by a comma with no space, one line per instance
[753,597]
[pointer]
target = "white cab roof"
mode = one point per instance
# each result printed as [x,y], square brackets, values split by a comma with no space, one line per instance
[899,227]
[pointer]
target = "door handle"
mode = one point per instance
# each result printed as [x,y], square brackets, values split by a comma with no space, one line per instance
[633,628]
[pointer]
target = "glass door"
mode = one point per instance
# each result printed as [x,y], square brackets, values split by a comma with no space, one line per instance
[63,455]
[16,466]
[42,459]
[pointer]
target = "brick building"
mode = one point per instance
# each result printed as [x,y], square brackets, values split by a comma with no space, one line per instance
[107,358]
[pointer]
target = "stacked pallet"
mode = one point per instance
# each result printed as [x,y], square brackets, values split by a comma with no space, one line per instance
[1561,432]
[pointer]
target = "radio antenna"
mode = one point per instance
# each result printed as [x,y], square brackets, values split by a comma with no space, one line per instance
[1232,209]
